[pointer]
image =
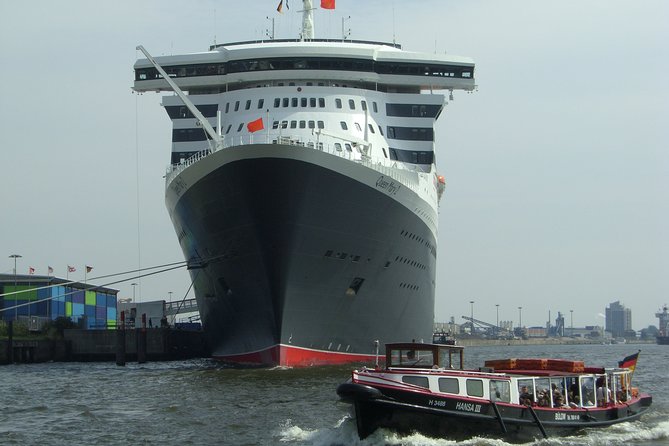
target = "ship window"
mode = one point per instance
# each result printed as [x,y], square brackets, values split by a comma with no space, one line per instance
[357,127]
[449,385]
[293,102]
[391,132]
[248,104]
[364,105]
[303,124]
[500,391]
[284,124]
[475,387]
[354,287]
[275,125]
[293,124]
[384,152]
[375,107]
[348,147]
[381,130]
[241,126]
[285,102]
[227,107]
[291,84]
[312,124]
[312,102]
[321,125]
[277,102]
[228,130]
[261,102]
[236,105]
[321,102]
[338,103]
[351,104]
[303,102]
[343,125]
[371,128]
[337,147]
[420,381]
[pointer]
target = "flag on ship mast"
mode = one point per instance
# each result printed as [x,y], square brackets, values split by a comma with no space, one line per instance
[89,269]
[328,4]
[254,126]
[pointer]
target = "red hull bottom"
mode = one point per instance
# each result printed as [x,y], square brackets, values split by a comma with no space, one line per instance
[291,356]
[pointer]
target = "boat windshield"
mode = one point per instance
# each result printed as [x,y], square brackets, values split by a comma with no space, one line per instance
[424,355]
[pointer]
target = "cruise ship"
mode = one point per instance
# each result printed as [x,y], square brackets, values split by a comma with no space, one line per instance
[304,191]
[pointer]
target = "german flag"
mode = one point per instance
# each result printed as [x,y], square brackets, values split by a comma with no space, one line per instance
[630,361]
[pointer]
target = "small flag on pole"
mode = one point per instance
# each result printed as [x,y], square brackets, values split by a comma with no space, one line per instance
[328,4]
[280,7]
[31,270]
[50,270]
[630,361]
[89,269]
[254,126]
[71,269]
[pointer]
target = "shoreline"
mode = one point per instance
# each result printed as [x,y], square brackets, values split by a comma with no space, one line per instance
[475,342]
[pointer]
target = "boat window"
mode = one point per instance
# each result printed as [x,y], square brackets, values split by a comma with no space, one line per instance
[421,381]
[303,124]
[261,102]
[277,102]
[375,107]
[312,124]
[348,147]
[284,124]
[543,392]
[227,107]
[293,124]
[475,387]
[363,104]
[573,391]
[338,103]
[343,125]
[284,103]
[321,102]
[312,102]
[525,391]
[371,128]
[588,391]
[381,130]
[337,147]
[449,385]
[303,102]
[384,152]
[241,126]
[293,102]
[500,390]
[321,125]
[236,105]
[558,391]
[275,125]
[248,104]
[357,126]
[228,130]
[351,104]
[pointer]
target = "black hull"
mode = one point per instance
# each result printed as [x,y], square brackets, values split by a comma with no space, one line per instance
[303,256]
[404,412]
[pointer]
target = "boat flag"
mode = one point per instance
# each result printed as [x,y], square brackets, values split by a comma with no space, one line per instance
[280,7]
[89,269]
[50,270]
[71,269]
[630,361]
[328,4]
[31,270]
[254,126]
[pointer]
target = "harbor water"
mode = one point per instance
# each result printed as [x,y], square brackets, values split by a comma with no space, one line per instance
[200,402]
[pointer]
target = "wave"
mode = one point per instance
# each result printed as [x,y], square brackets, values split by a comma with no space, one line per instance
[344,433]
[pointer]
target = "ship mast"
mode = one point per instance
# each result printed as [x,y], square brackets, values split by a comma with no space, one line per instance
[308,20]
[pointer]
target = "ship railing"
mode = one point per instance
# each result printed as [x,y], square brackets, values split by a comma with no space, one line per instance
[406,174]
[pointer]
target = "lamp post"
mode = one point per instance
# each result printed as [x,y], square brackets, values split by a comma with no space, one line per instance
[16,296]
[520,317]
[497,326]
[572,323]
[133,291]
[472,316]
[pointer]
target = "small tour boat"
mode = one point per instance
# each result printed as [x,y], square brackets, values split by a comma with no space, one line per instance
[424,388]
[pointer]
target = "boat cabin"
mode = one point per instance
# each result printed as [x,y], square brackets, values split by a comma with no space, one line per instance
[418,355]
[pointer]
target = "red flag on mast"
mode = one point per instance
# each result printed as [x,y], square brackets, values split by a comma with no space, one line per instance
[254,126]
[328,4]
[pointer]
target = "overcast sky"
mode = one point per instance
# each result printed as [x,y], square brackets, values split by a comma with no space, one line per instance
[557,168]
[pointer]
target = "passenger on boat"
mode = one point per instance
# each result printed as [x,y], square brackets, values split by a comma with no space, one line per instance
[543,398]
[525,397]
[603,393]
[558,399]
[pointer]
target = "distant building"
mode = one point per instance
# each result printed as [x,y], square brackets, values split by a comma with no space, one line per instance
[37,299]
[154,312]
[618,320]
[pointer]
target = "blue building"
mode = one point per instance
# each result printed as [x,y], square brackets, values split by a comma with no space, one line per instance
[38,299]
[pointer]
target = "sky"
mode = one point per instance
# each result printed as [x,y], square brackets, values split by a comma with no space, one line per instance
[557,167]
